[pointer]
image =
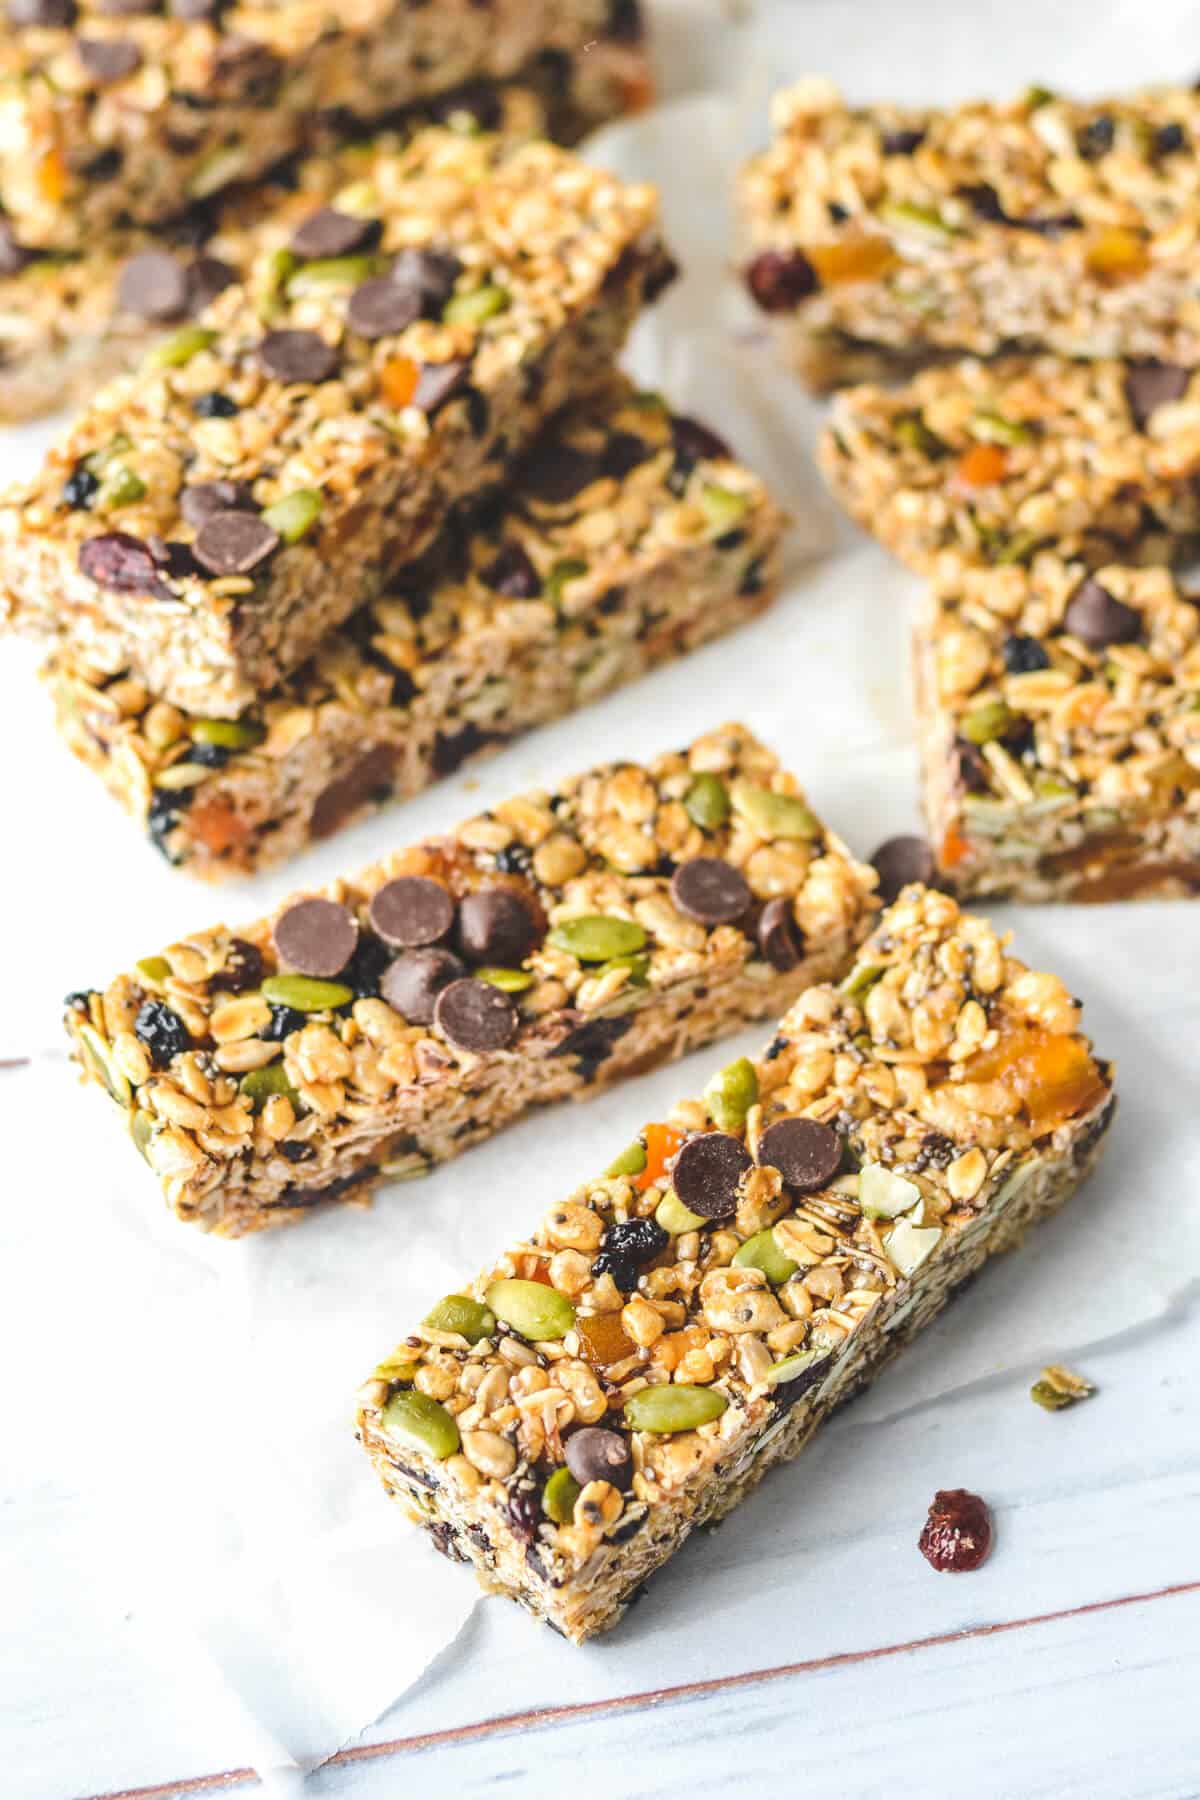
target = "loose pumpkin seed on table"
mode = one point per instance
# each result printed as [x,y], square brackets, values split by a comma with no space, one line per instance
[687,1319]
[544,949]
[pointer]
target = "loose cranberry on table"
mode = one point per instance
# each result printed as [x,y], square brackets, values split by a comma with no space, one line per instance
[958,1532]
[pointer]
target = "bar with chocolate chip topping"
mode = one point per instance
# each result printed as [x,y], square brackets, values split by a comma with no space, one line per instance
[110,115]
[545,949]
[211,518]
[1058,714]
[71,320]
[989,462]
[628,536]
[884,235]
[678,1325]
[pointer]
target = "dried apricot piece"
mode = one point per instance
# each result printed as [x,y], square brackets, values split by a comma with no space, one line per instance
[603,1340]
[982,465]
[1052,1074]
[662,1143]
[398,380]
[218,826]
[851,259]
[1114,253]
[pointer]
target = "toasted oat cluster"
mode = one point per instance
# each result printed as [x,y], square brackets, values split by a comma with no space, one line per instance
[989,462]
[1059,717]
[383,1023]
[608,1382]
[1040,222]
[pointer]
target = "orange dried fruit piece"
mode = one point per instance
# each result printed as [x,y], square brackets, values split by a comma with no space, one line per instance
[603,1340]
[662,1143]
[52,176]
[1051,1073]
[216,825]
[1114,253]
[981,465]
[860,258]
[398,380]
[954,849]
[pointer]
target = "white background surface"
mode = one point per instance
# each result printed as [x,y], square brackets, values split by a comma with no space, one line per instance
[177,1464]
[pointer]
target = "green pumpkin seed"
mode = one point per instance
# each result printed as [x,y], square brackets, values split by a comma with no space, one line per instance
[994,428]
[230,734]
[330,272]
[630,1162]
[399,1366]
[420,1421]
[912,431]
[647,400]
[459,1313]
[706,802]
[1036,96]
[731,1093]
[638,965]
[773,815]
[509,981]
[569,569]
[99,1059]
[278,269]
[882,1195]
[762,1252]
[986,722]
[480,304]
[1048,787]
[180,347]
[154,968]
[723,507]
[1060,1387]
[305,994]
[360,199]
[294,514]
[908,1245]
[861,979]
[536,1312]
[675,1217]
[791,1366]
[559,1496]
[597,938]
[676,1407]
[121,487]
[259,1085]
[141,1130]
[906,215]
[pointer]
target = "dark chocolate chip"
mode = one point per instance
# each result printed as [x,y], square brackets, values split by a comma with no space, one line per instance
[594,1454]
[807,1154]
[708,1173]
[660,272]
[968,770]
[625,24]
[198,504]
[779,937]
[780,279]
[108,59]
[369,780]
[513,574]
[207,276]
[623,453]
[153,285]
[412,911]
[297,356]
[439,382]
[785,1394]
[476,1016]
[590,1042]
[414,981]
[901,142]
[49,13]
[696,442]
[711,890]
[122,563]
[316,937]
[243,968]
[557,473]
[234,543]
[161,1032]
[899,861]
[1024,655]
[1094,615]
[429,274]
[452,748]
[328,233]
[380,307]
[1149,385]
[495,925]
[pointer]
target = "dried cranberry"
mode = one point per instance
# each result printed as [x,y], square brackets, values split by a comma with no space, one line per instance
[780,279]
[243,969]
[161,1032]
[524,1514]
[626,1247]
[958,1532]
[122,563]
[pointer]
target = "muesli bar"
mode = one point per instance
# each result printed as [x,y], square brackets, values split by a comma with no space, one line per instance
[70,321]
[209,519]
[989,462]
[547,948]
[1058,714]
[628,537]
[109,117]
[1039,223]
[680,1324]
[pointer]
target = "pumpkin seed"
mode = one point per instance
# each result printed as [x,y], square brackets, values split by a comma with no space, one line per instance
[330,272]
[141,1130]
[538,1313]
[294,514]
[480,304]
[154,968]
[762,1252]
[421,1421]
[994,428]
[861,979]
[1059,1388]
[459,1313]
[906,215]
[121,487]
[509,981]
[630,1162]
[180,347]
[986,722]
[791,1366]
[723,507]
[230,734]
[706,802]
[674,1407]
[773,815]
[259,1085]
[597,938]
[882,1195]
[559,1496]
[912,431]
[908,1245]
[100,1061]
[731,1093]
[675,1217]
[305,994]
[569,569]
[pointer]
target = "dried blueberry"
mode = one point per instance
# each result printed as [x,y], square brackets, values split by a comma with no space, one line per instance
[626,1246]
[1024,655]
[161,1032]
[367,966]
[214,406]
[80,487]
[1096,138]
[284,1020]
[243,969]
[1169,138]
[162,815]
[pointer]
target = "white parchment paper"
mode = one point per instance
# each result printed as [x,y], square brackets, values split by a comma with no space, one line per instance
[212,1384]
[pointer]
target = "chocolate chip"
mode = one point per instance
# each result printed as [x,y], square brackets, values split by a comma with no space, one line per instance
[439,382]
[414,981]
[1094,615]
[1149,385]
[708,1172]
[297,356]
[780,279]
[807,1154]
[968,770]
[557,474]
[625,21]
[623,453]
[207,277]
[379,308]
[328,232]
[369,779]
[108,59]
[198,504]
[316,937]
[412,911]
[153,285]
[513,574]
[779,937]
[1024,655]
[696,442]
[234,543]
[594,1454]
[495,925]
[901,142]
[710,890]
[49,13]
[899,861]
[476,1016]
[429,274]
[123,564]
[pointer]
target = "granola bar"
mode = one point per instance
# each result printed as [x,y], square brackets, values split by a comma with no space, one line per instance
[1040,223]
[677,1326]
[988,462]
[628,537]
[1059,723]
[547,948]
[70,321]
[108,117]
[208,520]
